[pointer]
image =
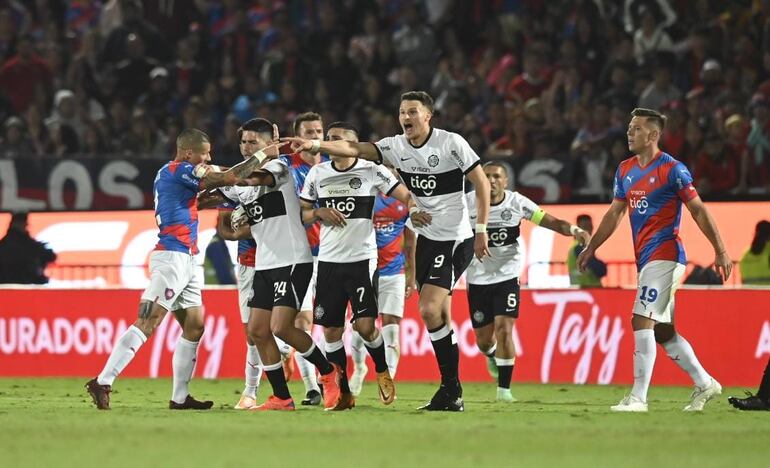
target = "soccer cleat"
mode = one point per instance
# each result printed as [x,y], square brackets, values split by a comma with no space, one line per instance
[630,404]
[274,403]
[331,385]
[443,401]
[492,367]
[312,398]
[700,396]
[99,393]
[287,361]
[246,402]
[190,403]
[504,395]
[750,403]
[357,379]
[386,388]
[346,401]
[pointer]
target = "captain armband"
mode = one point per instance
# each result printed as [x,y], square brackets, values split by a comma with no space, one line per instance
[538,216]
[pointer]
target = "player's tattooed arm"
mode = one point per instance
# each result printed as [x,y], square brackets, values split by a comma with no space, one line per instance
[210,199]
[328,216]
[343,148]
[722,263]
[240,172]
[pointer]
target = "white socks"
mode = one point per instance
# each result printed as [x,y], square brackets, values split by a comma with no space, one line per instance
[680,351]
[307,370]
[124,351]
[390,333]
[183,364]
[357,350]
[644,360]
[253,371]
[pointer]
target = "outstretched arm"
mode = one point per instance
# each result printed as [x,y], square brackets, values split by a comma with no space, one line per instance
[236,174]
[722,263]
[344,148]
[564,228]
[608,225]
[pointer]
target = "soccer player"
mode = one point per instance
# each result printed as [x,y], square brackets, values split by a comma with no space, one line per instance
[433,164]
[174,285]
[652,185]
[345,190]
[282,270]
[307,125]
[395,267]
[254,135]
[493,286]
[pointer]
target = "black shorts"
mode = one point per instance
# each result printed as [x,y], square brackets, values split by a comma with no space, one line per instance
[285,286]
[340,283]
[441,263]
[487,301]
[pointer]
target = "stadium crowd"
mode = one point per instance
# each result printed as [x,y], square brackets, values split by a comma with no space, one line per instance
[543,86]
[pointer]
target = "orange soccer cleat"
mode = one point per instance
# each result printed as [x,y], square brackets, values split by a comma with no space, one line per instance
[274,403]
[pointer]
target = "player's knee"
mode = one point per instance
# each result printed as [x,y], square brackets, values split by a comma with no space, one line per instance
[664,332]
[367,330]
[302,322]
[281,329]
[430,311]
[484,344]
[259,334]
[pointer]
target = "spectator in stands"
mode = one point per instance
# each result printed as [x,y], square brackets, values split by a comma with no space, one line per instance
[596,270]
[661,90]
[716,171]
[755,262]
[22,258]
[23,74]
[755,167]
[15,141]
[414,44]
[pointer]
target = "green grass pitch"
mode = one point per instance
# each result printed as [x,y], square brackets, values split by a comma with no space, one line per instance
[52,423]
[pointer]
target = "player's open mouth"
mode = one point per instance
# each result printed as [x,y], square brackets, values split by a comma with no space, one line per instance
[407,126]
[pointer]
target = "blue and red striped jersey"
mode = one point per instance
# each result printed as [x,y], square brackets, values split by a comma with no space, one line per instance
[390,217]
[654,195]
[176,211]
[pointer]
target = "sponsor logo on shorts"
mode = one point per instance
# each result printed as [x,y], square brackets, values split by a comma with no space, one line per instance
[478,316]
[318,313]
[169,294]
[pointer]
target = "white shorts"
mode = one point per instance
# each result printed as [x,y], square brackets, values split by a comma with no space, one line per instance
[174,282]
[307,302]
[658,281]
[245,290]
[390,294]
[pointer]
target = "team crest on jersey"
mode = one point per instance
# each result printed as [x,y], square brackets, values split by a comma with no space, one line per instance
[652,180]
[355,183]
[318,313]
[478,316]
[169,294]
[506,214]
[433,160]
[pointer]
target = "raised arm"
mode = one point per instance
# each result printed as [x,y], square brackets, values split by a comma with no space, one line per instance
[722,263]
[483,191]
[238,173]
[344,148]
[608,225]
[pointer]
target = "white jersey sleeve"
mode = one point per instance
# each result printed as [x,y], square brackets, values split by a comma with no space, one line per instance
[230,193]
[462,153]
[279,170]
[386,149]
[384,180]
[526,207]
[309,190]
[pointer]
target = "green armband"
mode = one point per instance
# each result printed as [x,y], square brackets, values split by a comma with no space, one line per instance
[538,216]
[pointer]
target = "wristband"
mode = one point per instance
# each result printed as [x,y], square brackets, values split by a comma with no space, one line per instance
[413,210]
[481,228]
[200,170]
[316,146]
[260,155]
[574,230]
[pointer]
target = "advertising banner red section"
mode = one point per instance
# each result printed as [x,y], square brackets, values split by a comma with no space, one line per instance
[564,336]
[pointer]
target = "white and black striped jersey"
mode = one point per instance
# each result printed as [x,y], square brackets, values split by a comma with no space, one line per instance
[275,219]
[435,174]
[503,231]
[352,192]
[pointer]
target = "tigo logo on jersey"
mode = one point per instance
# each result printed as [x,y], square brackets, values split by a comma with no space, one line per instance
[426,184]
[640,205]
